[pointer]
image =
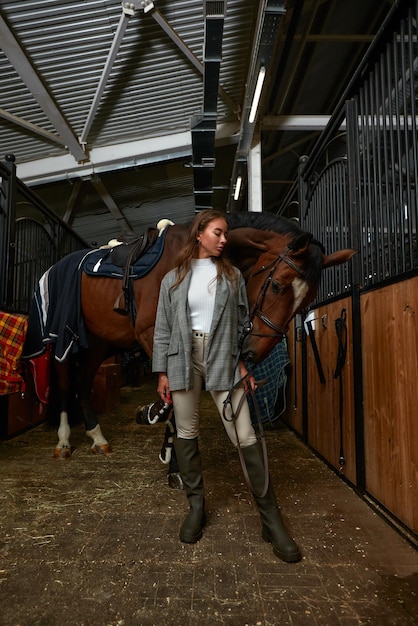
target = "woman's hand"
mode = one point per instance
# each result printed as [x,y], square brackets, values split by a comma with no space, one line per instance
[249,380]
[163,388]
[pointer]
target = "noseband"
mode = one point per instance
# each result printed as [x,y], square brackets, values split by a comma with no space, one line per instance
[257,308]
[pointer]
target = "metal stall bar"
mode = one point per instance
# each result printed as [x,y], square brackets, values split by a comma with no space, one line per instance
[399,200]
[407,97]
[7,236]
[385,160]
[413,71]
[364,204]
[392,180]
[354,192]
[377,169]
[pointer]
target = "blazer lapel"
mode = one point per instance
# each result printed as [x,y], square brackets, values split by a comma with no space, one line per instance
[221,298]
[182,303]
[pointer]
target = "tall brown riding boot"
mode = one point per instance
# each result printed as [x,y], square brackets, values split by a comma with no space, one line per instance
[188,458]
[273,528]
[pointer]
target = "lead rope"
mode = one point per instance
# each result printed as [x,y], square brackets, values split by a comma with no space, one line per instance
[235,414]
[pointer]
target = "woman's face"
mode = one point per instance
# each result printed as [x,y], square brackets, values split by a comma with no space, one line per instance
[212,240]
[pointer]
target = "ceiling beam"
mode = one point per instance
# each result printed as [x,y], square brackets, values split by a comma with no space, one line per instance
[117,39]
[104,194]
[302,141]
[23,66]
[162,22]
[37,130]
[334,38]
[295,122]
[73,202]
[119,156]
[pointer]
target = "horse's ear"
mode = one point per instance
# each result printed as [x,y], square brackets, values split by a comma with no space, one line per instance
[300,243]
[337,258]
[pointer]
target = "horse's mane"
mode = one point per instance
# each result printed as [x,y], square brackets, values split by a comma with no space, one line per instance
[263,221]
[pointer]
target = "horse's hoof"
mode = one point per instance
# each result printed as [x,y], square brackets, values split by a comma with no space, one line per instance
[104,449]
[62,454]
[175,481]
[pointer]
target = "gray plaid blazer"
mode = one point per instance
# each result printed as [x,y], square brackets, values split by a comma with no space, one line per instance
[172,351]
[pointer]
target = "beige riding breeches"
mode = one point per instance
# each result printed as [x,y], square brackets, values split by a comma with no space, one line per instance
[186,403]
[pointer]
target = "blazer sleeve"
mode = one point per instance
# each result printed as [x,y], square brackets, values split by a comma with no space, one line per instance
[162,330]
[243,308]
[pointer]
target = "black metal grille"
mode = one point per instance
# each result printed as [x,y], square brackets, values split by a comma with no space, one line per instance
[34,251]
[29,243]
[387,164]
[368,200]
[325,216]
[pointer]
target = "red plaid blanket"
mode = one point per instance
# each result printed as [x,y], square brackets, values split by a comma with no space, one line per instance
[12,335]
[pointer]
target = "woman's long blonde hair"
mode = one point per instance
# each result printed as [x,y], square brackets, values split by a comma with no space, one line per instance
[184,258]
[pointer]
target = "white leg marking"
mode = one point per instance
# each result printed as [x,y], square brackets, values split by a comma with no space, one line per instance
[300,289]
[64,431]
[96,435]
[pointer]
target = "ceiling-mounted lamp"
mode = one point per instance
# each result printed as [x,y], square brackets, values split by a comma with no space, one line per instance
[257,94]
[238,184]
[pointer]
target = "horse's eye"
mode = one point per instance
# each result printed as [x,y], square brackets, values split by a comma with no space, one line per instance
[275,286]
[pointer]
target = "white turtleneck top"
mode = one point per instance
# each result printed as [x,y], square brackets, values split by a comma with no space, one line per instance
[201,296]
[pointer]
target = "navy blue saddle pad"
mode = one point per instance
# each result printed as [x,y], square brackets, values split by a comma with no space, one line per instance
[99,262]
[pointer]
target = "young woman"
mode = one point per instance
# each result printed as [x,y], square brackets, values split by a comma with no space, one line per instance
[202,309]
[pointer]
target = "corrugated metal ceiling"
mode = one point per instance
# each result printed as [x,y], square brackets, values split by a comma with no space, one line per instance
[153,90]
[55,57]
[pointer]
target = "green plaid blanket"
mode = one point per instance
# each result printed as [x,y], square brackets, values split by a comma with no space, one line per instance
[271,397]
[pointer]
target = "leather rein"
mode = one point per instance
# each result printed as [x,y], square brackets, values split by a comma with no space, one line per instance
[248,330]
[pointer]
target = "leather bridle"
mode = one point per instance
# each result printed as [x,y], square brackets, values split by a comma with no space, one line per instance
[256,310]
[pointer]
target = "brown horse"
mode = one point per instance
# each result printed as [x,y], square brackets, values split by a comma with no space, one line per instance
[280,262]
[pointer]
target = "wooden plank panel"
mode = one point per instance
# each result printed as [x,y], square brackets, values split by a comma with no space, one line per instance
[390,374]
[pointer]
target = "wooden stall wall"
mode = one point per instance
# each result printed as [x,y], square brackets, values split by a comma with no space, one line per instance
[365,197]
[389,355]
[390,374]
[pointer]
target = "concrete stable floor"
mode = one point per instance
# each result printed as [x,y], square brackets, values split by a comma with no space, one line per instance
[93,541]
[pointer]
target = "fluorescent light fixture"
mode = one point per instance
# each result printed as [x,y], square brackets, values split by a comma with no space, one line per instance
[257,94]
[237,187]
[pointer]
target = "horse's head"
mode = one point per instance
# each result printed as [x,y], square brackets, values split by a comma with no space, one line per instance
[280,284]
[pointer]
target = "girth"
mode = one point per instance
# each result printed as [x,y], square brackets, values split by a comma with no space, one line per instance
[125,255]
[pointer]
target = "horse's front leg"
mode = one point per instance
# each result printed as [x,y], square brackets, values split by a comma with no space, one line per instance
[86,378]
